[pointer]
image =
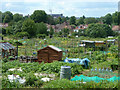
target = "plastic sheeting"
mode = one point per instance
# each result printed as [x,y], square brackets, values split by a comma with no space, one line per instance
[78,61]
[95,78]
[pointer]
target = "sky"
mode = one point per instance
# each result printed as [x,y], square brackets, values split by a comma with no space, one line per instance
[78,8]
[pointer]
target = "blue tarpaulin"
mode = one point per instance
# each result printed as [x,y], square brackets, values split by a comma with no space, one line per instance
[78,61]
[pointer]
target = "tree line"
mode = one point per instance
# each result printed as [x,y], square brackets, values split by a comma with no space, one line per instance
[34,25]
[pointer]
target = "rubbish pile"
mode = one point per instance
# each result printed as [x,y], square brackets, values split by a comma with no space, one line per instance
[16,78]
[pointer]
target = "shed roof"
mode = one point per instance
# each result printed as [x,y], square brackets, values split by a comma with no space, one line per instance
[111,40]
[6,46]
[55,48]
[87,41]
[99,41]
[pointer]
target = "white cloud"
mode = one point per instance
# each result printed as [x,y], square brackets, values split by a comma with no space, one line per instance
[8,4]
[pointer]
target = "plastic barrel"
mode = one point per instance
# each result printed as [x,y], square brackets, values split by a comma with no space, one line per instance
[65,72]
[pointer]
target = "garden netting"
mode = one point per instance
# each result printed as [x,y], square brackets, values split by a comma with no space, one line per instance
[95,78]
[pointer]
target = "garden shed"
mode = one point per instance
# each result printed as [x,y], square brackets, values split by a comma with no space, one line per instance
[100,43]
[87,43]
[111,41]
[6,49]
[49,54]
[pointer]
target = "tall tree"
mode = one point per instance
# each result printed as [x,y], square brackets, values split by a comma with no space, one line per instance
[9,30]
[98,30]
[90,20]
[29,27]
[108,19]
[118,18]
[80,21]
[7,17]
[50,20]
[17,17]
[0,17]
[41,28]
[72,20]
[39,16]
[18,26]
[51,31]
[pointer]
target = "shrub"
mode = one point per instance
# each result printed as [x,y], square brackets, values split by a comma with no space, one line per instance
[63,83]
[5,60]
[56,66]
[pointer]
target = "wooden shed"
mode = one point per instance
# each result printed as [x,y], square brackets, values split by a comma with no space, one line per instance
[49,54]
[7,49]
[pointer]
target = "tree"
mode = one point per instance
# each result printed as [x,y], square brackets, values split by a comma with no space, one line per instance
[29,27]
[98,30]
[50,20]
[39,16]
[108,19]
[0,17]
[72,20]
[90,20]
[3,31]
[83,17]
[22,34]
[80,21]
[118,18]
[64,19]
[9,30]
[17,17]
[51,31]
[65,32]
[18,26]
[41,28]
[7,17]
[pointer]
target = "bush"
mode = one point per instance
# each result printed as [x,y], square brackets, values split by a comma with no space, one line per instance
[56,66]
[76,84]
[5,60]
[64,83]
[30,79]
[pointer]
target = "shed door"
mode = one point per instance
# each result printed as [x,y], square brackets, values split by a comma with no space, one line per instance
[43,56]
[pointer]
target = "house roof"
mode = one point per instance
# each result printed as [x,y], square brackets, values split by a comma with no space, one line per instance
[6,46]
[116,28]
[55,48]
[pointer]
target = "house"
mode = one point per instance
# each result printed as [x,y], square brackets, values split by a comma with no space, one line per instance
[7,49]
[116,28]
[49,54]
[56,15]
[59,27]
[80,27]
[3,25]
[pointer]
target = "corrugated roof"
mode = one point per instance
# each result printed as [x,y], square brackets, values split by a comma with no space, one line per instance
[55,48]
[99,41]
[6,46]
[87,41]
[111,40]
